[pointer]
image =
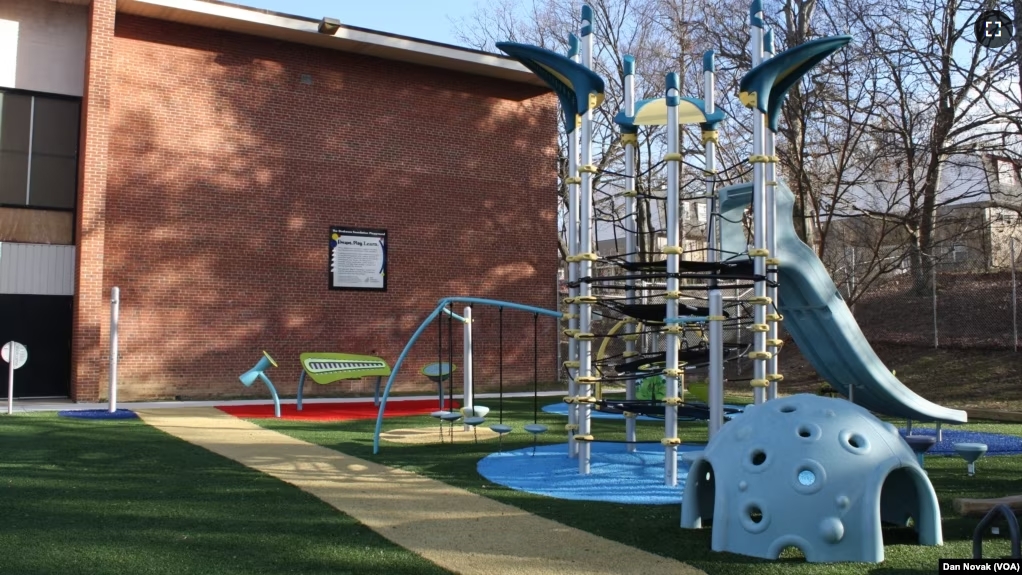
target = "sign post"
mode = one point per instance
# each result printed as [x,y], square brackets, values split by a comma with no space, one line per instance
[15,355]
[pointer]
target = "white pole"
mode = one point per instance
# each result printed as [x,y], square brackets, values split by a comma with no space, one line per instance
[573,183]
[467,361]
[1014,300]
[630,141]
[672,370]
[716,383]
[773,340]
[584,380]
[115,306]
[933,275]
[10,379]
[759,252]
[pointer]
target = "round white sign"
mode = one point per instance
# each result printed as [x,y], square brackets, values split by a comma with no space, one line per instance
[20,353]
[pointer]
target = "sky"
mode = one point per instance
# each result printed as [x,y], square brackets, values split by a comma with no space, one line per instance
[425,19]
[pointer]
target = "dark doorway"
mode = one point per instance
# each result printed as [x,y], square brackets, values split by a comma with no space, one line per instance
[42,323]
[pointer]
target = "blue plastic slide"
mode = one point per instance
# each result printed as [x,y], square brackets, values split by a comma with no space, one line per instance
[820,322]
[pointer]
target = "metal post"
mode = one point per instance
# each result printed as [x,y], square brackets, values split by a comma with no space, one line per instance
[672,370]
[573,190]
[630,141]
[1014,295]
[716,296]
[10,379]
[759,253]
[466,359]
[115,310]
[586,169]
[933,274]
[773,318]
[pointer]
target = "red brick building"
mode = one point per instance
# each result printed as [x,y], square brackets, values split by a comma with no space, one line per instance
[217,145]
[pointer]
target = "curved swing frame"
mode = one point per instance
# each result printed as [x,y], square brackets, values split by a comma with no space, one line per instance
[418,333]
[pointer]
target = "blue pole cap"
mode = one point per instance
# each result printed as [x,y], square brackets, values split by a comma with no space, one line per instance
[572,45]
[755,9]
[768,42]
[708,63]
[587,18]
[672,82]
[629,65]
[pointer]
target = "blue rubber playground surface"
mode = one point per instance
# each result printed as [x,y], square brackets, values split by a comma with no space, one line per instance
[997,444]
[616,476]
[561,408]
[637,478]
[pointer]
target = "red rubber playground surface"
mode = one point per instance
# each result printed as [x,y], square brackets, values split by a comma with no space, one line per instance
[340,411]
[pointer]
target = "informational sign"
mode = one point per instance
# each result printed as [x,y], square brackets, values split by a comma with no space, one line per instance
[358,259]
[20,353]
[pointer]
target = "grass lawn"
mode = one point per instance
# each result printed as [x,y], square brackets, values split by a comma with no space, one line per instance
[98,497]
[655,528]
[119,497]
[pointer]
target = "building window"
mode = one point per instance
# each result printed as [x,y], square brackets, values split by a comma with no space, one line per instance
[38,150]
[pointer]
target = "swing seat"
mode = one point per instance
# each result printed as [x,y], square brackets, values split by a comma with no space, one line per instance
[475,411]
[440,414]
[501,428]
[450,416]
[474,421]
[535,428]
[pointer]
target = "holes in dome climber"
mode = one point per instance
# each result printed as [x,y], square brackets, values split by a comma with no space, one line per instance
[854,442]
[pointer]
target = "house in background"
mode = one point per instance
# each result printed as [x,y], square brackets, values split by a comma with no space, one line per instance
[978,233]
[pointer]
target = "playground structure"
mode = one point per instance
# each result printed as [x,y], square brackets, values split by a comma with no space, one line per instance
[788,282]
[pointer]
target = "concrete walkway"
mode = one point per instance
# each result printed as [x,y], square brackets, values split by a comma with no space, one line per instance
[454,528]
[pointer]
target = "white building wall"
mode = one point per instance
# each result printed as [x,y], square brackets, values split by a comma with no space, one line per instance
[37,269]
[42,46]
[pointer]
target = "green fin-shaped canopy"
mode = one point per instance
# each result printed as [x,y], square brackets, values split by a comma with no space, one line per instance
[571,81]
[653,112]
[765,86]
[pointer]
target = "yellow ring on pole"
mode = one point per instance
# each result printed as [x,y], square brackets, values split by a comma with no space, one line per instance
[672,295]
[629,139]
[569,315]
[773,262]
[569,399]
[759,159]
[759,252]
[760,300]
[572,364]
[673,157]
[673,250]
[672,372]
[675,329]
[570,427]
[759,383]
[668,441]
[710,136]
[629,414]
[630,193]
[584,438]
[585,336]
[716,318]
[627,353]
[709,172]
[774,317]
[586,299]
[630,337]
[588,169]
[778,343]
[760,355]
[586,380]
[774,377]
[573,180]
[759,327]
[569,332]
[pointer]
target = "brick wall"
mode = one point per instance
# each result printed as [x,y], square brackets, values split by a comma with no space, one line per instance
[227,171]
[91,318]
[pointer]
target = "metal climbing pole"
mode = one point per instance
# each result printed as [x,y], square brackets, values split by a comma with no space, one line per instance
[585,379]
[773,317]
[673,249]
[759,253]
[572,182]
[716,318]
[629,140]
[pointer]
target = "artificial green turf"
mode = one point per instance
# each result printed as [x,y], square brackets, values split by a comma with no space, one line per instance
[119,497]
[655,527]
